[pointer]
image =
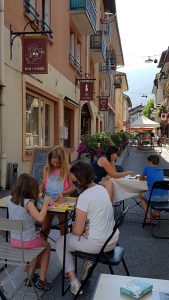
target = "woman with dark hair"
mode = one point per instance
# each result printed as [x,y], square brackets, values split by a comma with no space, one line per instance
[104,166]
[93,224]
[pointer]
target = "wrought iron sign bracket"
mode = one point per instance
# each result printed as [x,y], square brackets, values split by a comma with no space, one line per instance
[14,34]
[83,79]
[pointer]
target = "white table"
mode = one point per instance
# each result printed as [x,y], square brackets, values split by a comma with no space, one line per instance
[108,287]
[125,188]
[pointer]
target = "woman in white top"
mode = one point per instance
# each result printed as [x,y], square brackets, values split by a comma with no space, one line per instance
[94,221]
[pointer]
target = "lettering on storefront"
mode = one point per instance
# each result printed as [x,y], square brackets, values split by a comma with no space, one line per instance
[34,55]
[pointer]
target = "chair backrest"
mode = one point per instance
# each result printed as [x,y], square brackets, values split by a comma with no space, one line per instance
[17,225]
[118,222]
[166,172]
[10,225]
[162,185]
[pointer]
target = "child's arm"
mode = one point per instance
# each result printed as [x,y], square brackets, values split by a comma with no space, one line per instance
[38,215]
[70,189]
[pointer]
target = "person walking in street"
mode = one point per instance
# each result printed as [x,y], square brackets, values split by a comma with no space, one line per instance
[93,224]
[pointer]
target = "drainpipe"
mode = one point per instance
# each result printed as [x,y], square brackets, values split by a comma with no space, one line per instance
[3,158]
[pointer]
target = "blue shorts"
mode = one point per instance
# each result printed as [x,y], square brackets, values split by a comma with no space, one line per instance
[156,198]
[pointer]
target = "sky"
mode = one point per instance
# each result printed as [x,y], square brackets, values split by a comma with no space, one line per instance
[144,31]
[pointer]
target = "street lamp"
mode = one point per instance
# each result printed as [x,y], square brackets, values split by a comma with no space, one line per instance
[150,60]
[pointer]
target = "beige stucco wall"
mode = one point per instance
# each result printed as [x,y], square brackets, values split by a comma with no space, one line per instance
[54,83]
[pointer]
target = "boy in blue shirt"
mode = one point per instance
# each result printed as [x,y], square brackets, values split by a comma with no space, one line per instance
[153,173]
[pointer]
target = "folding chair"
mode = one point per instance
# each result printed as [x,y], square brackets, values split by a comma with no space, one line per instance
[110,258]
[166,172]
[14,256]
[160,206]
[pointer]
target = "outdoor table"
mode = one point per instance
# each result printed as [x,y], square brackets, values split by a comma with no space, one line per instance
[108,287]
[127,187]
[62,209]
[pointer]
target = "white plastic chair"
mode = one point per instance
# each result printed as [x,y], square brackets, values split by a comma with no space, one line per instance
[14,256]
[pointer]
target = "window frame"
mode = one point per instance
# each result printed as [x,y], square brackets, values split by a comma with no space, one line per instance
[27,150]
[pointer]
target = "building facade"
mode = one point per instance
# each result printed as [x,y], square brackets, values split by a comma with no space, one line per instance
[43,110]
[161,93]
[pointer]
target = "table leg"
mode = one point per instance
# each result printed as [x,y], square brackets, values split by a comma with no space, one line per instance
[64,253]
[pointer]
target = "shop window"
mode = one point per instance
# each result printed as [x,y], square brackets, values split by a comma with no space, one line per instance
[39,112]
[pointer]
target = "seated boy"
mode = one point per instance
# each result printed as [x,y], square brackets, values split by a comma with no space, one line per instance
[152,173]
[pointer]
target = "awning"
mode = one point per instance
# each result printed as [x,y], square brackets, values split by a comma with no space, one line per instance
[144,123]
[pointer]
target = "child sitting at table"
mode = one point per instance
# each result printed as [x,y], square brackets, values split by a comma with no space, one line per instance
[153,173]
[56,183]
[22,206]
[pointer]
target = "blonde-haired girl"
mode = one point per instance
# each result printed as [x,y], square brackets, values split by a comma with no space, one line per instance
[56,181]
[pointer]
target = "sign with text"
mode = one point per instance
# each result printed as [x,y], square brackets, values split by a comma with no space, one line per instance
[103,104]
[34,55]
[86,90]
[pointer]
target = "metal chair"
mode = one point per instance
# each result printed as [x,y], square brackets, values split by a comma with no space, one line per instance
[111,258]
[14,256]
[160,206]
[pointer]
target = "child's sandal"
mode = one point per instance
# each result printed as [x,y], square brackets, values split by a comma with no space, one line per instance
[43,285]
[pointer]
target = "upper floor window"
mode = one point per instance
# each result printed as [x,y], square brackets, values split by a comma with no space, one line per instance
[42,16]
[75,52]
[46,14]
[30,8]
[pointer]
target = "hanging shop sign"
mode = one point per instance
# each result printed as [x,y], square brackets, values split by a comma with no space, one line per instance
[34,55]
[103,104]
[86,90]
[163,117]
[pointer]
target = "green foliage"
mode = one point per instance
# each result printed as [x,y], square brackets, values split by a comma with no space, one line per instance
[161,109]
[148,109]
[120,138]
[95,145]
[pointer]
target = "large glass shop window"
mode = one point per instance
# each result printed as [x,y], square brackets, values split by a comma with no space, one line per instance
[37,122]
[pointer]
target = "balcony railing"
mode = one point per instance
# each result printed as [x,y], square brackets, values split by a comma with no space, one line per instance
[75,63]
[88,6]
[31,10]
[98,43]
[39,22]
[104,68]
[107,29]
